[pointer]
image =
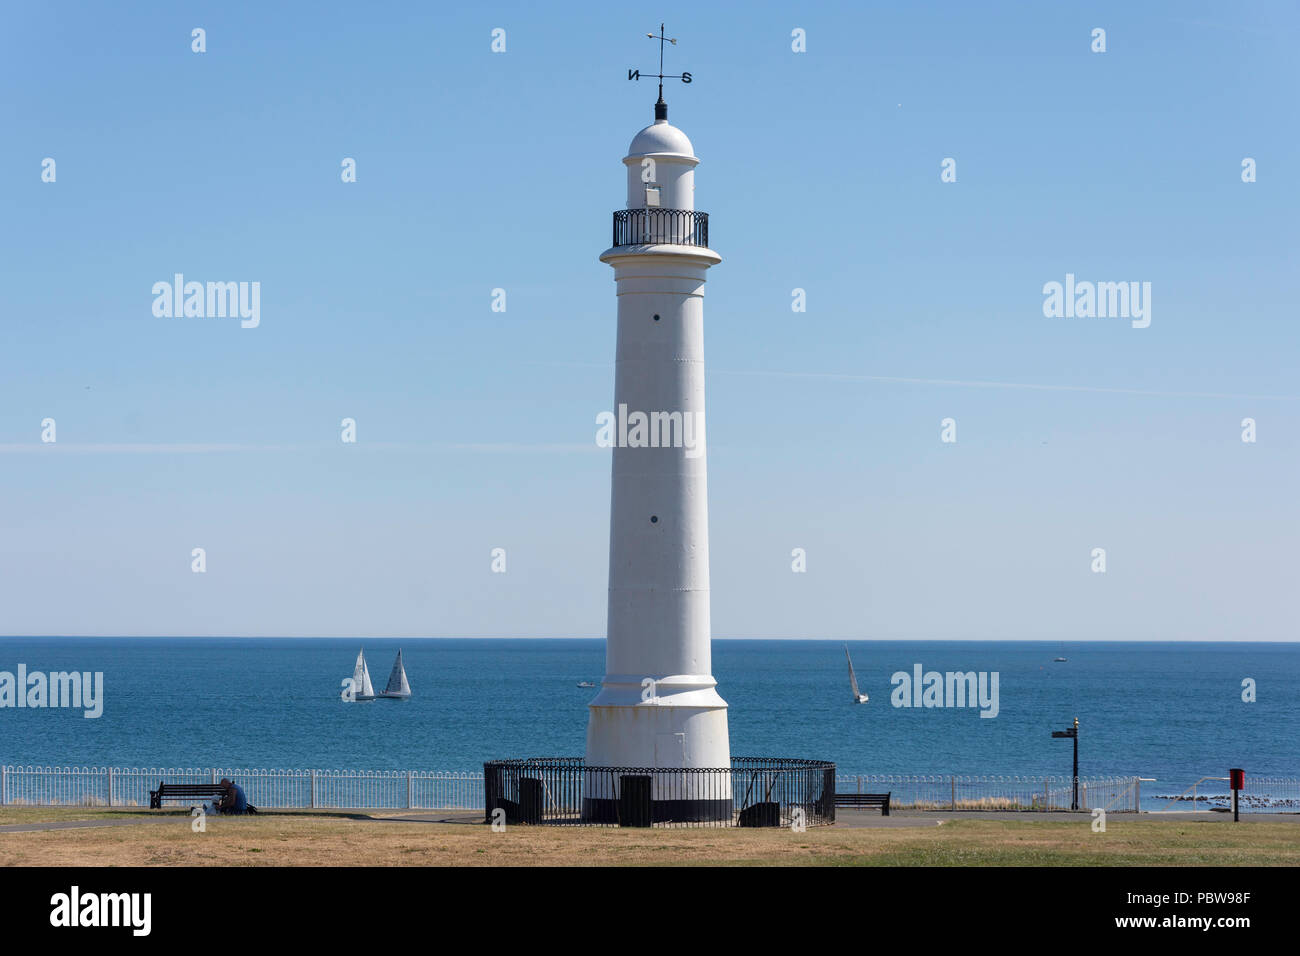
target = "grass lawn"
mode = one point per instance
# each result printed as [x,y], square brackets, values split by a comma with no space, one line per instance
[324,838]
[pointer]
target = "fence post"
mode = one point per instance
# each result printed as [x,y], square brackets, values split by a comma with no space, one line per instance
[110,786]
[859,783]
[214,774]
[954,792]
[408,789]
[1047,796]
[1137,794]
[313,789]
[4,786]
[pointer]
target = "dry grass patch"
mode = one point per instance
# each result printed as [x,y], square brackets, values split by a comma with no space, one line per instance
[304,838]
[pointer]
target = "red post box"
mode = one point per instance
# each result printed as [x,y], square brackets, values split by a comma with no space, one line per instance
[1237,779]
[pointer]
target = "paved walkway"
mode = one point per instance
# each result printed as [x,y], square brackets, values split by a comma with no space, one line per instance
[436,816]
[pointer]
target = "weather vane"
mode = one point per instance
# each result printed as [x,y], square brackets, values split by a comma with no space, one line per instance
[661,108]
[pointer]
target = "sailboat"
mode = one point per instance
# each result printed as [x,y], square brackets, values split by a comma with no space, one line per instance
[858,696]
[398,688]
[362,689]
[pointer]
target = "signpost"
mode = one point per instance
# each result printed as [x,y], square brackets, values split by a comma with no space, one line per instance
[1073,733]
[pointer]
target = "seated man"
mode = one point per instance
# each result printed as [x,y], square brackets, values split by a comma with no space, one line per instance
[233,801]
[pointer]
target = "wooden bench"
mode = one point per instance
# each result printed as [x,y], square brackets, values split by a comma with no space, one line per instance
[184,792]
[864,801]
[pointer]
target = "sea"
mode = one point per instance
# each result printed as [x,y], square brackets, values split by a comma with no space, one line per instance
[1170,711]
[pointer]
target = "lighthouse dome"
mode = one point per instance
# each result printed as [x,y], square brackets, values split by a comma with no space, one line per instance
[661,137]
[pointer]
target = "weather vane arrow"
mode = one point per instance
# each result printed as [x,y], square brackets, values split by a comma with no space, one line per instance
[661,108]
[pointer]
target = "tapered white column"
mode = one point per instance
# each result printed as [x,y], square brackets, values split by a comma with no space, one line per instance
[658,706]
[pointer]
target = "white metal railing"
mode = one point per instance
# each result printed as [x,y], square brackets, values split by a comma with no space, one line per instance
[949,792]
[463,790]
[1192,790]
[995,792]
[1262,795]
[353,789]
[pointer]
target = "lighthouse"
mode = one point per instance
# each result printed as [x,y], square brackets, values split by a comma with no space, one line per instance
[658,708]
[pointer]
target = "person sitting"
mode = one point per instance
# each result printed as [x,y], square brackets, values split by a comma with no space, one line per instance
[233,800]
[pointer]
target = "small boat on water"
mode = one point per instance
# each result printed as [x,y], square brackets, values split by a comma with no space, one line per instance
[586,683]
[1060,660]
[398,688]
[362,689]
[858,696]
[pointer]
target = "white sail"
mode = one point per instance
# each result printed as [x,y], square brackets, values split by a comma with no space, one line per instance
[858,696]
[361,685]
[397,685]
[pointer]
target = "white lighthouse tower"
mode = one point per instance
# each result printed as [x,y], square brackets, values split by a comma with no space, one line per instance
[658,706]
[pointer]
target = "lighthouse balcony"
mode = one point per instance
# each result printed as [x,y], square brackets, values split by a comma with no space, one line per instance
[682,227]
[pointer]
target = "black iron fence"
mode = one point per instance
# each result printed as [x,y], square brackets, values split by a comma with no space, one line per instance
[683,227]
[753,792]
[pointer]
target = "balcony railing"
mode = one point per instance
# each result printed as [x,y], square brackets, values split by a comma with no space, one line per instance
[683,227]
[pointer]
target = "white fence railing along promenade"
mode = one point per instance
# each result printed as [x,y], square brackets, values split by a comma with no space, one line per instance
[957,792]
[463,790]
[350,789]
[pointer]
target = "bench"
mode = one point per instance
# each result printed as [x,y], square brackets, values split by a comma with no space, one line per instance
[185,793]
[864,801]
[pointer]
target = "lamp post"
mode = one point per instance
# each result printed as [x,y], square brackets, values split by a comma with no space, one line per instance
[1073,733]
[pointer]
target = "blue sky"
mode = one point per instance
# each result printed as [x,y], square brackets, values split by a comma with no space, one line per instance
[820,170]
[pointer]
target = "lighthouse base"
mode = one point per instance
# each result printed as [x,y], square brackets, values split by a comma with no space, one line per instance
[628,812]
[654,752]
[751,792]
